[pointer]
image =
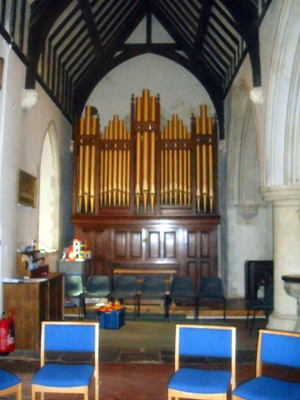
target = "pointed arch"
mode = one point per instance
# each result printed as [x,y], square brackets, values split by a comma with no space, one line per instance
[49,192]
[283,106]
[243,160]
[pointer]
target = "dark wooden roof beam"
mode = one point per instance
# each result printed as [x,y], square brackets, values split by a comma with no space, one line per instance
[202,25]
[90,22]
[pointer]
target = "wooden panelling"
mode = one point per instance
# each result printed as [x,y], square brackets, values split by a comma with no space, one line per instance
[192,244]
[144,244]
[153,244]
[169,244]
[204,242]
[120,244]
[136,245]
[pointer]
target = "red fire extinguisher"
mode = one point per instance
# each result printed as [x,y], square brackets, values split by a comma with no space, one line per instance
[4,332]
[7,334]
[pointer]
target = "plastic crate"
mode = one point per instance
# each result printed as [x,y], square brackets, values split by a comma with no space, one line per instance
[114,319]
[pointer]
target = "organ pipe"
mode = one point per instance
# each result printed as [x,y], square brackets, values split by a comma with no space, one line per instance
[177,161]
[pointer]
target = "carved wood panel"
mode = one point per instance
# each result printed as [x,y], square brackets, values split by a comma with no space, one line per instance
[192,248]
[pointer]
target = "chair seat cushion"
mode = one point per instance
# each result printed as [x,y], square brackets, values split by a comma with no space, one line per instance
[7,379]
[266,388]
[200,381]
[60,375]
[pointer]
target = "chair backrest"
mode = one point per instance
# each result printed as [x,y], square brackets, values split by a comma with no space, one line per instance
[206,341]
[275,347]
[182,286]
[153,286]
[69,337]
[73,285]
[98,284]
[211,287]
[125,283]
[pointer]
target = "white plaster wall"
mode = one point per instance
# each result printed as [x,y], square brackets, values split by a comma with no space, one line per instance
[180,92]
[22,133]
[246,241]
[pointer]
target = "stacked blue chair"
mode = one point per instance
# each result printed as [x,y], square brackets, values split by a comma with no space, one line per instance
[97,286]
[74,289]
[278,349]
[10,384]
[153,288]
[64,337]
[126,288]
[198,383]
[211,290]
[182,291]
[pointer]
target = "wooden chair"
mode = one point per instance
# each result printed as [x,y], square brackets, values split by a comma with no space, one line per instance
[78,337]
[203,341]
[10,384]
[280,349]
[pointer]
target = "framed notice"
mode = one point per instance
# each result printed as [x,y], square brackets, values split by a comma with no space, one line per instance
[27,189]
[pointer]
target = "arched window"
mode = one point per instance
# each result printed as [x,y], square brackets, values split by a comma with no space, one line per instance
[49,194]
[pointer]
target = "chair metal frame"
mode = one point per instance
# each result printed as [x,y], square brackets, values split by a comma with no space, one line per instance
[270,350]
[205,351]
[266,305]
[14,389]
[59,347]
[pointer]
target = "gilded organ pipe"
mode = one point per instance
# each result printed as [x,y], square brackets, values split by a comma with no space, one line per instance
[182,166]
[210,165]
[145,124]
[86,174]
[80,166]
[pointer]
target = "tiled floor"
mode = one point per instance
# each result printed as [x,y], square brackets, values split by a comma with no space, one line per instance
[136,361]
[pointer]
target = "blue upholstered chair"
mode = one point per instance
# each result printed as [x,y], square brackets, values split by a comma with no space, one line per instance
[210,342]
[73,337]
[279,349]
[10,384]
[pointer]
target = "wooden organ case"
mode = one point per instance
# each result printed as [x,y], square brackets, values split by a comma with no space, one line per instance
[147,198]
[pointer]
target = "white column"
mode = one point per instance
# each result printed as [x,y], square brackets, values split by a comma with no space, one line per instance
[286,217]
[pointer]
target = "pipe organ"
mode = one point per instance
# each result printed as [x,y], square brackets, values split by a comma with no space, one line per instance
[126,182]
[147,170]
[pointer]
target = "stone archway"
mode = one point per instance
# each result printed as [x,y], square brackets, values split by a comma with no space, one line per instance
[282,144]
[248,219]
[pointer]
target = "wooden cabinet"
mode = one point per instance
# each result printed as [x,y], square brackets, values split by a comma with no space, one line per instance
[34,301]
